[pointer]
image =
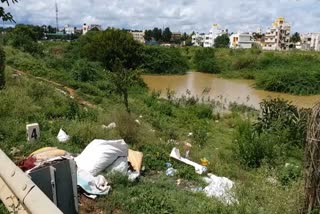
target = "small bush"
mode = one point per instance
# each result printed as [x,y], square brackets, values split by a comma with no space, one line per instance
[127,127]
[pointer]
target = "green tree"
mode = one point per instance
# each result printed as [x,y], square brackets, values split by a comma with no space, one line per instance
[295,38]
[148,35]
[5,15]
[123,79]
[2,68]
[25,37]
[166,35]
[222,41]
[157,34]
[107,46]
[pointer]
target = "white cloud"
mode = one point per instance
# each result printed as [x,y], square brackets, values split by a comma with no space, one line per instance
[179,15]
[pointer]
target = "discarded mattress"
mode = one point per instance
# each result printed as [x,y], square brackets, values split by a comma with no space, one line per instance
[101,154]
[47,153]
[219,187]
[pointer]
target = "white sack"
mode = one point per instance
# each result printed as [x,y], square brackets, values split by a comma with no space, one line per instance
[100,154]
[62,136]
[120,165]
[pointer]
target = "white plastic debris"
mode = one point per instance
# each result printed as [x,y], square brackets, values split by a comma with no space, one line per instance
[175,153]
[171,172]
[110,126]
[92,185]
[132,176]
[62,136]
[138,122]
[190,134]
[219,187]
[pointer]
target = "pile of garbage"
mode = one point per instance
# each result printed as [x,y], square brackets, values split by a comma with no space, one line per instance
[218,187]
[99,157]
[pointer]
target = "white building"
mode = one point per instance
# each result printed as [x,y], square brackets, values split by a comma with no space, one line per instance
[310,41]
[241,40]
[86,28]
[278,36]
[138,35]
[198,39]
[69,29]
[207,40]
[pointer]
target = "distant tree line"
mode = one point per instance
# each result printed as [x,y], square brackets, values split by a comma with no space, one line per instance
[166,36]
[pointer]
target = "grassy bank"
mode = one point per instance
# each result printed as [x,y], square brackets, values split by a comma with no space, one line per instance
[267,188]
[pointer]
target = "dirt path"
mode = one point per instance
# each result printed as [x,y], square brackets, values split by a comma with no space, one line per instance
[65,89]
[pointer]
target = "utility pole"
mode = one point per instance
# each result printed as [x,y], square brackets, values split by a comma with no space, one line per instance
[57,17]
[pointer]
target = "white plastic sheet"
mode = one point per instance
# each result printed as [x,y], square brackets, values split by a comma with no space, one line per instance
[219,187]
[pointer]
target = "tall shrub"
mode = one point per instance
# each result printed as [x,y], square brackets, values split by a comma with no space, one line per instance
[205,60]
[2,68]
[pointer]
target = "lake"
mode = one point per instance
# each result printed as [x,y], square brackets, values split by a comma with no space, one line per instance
[220,89]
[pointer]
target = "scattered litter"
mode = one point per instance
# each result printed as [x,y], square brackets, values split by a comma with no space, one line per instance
[33,132]
[219,187]
[140,116]
[171,172]
[178,182]
[175,153]
[135,158]
[100,154]
[272,180]
[196,189]
[110,126]
[138,122]
[62,136]
[217,121]
[187,146]
[204,162]
[14,151]
[168,165]
[132,176]
[190,134]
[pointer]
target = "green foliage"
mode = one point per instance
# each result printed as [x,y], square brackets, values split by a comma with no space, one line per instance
[295,38]
[85,71]
[163,60]
[166,35]
[25,38]
[289,173]
[2,68]
[5,16]
[205,60]
[280,116]
[108,46]
[222,41]
[200,133]
[299,82]
[253,149]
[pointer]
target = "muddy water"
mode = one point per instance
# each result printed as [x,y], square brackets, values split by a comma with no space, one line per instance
[224,90]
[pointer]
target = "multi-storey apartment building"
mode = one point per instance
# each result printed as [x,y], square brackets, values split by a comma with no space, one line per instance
[241,40]
[310,41]
[138,35]
[207,40]
[277,36]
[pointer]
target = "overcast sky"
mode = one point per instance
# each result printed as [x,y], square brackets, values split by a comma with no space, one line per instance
[179,15]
